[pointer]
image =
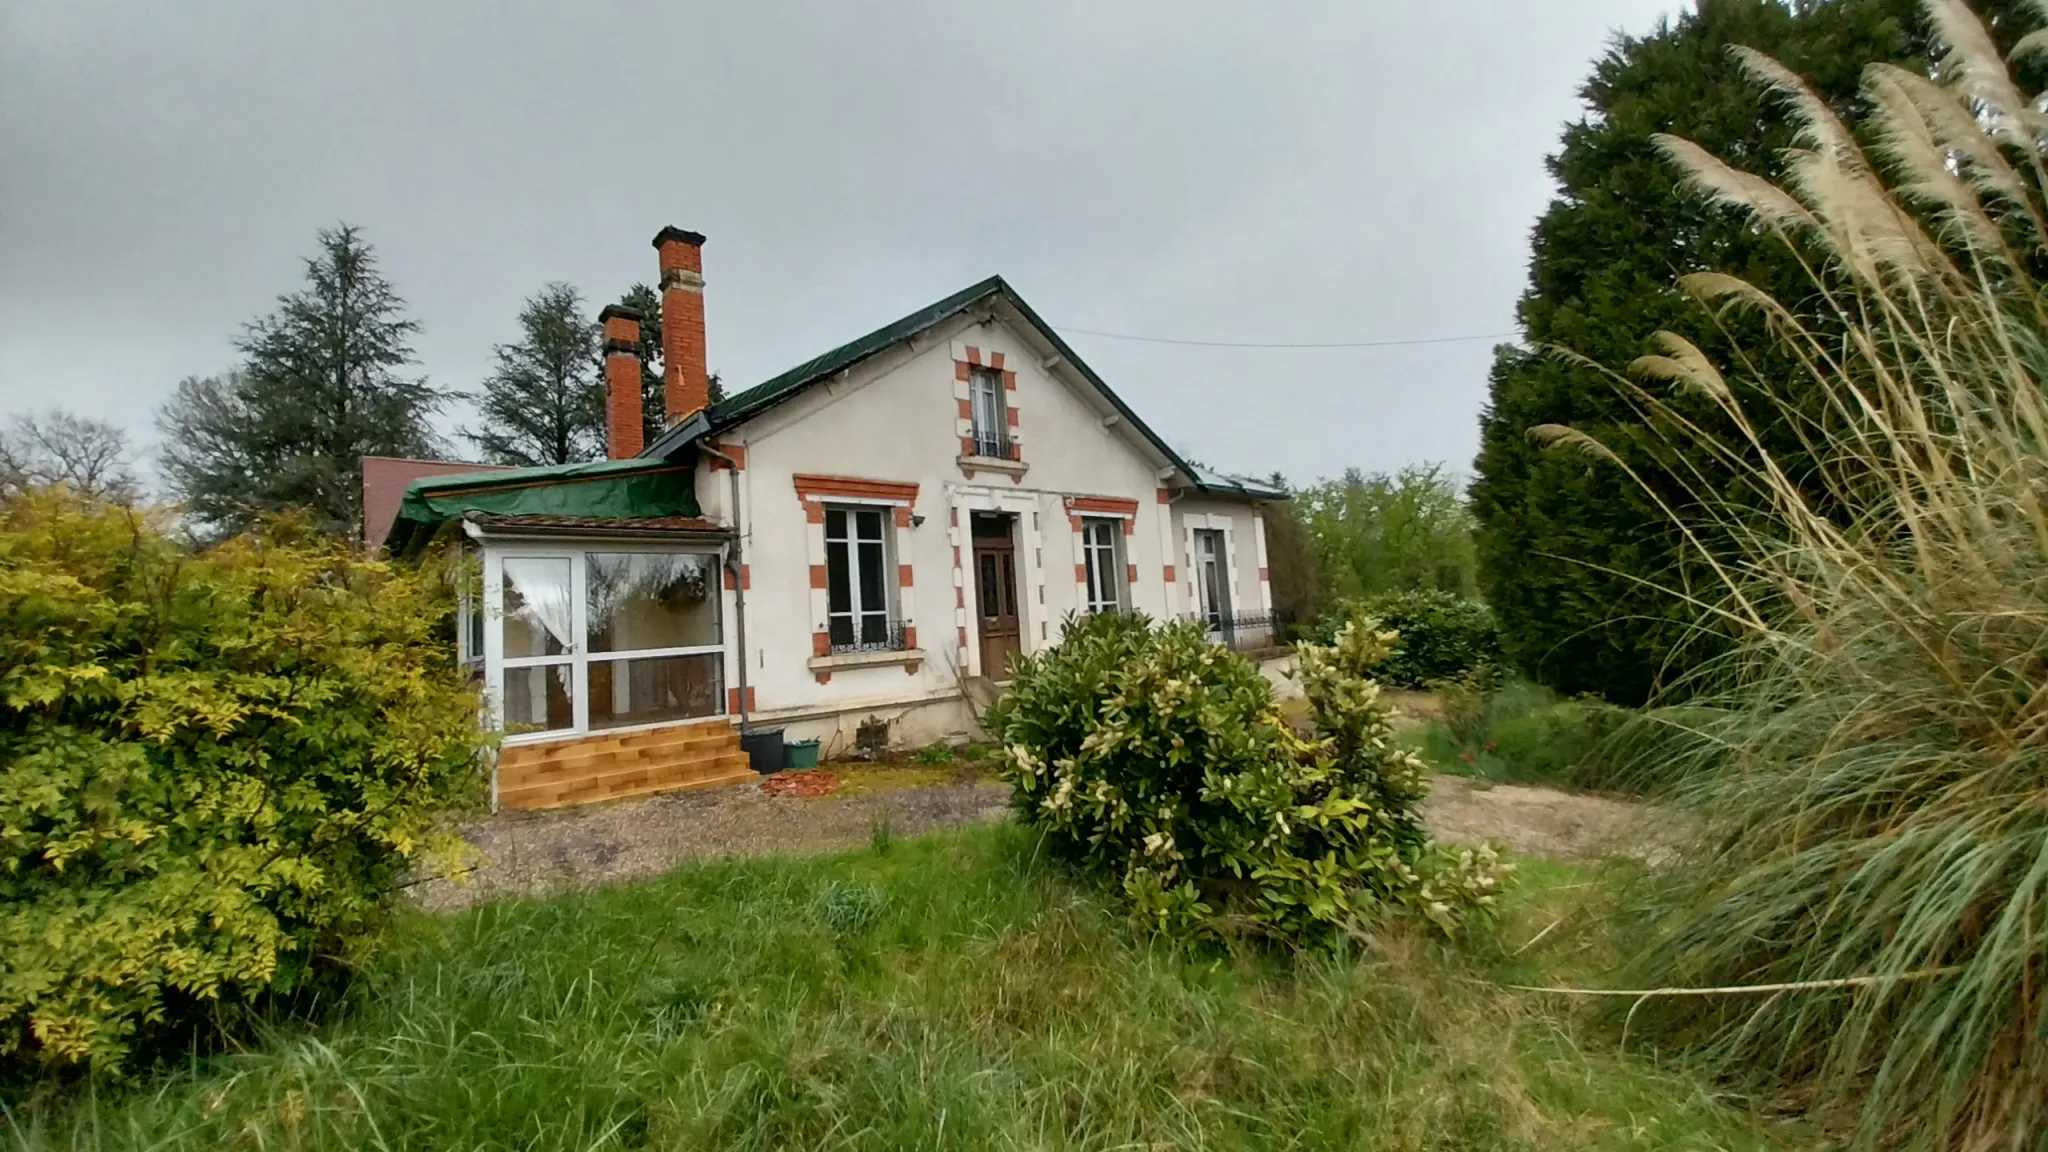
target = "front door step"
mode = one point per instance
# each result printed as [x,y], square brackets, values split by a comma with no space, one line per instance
[981,692]
[601,767]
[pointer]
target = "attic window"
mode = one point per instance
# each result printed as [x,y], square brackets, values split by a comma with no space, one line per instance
[991,415]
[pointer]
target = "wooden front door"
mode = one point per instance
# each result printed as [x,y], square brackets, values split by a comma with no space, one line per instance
[995,597]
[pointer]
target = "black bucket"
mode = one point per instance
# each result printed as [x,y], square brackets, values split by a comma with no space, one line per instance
[763,747]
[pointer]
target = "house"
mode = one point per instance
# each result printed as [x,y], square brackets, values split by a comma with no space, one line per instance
[861,541]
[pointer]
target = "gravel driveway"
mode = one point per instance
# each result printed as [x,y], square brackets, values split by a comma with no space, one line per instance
[1545,822]
[538,853]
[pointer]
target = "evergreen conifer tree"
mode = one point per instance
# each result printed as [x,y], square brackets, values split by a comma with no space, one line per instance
[1583,570]
[319,388]
[1585,573]
[544,403]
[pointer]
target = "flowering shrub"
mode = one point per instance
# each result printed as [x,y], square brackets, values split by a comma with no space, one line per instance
[214,769]
[1161,759]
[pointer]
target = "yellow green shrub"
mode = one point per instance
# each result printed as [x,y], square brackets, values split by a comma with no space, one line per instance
[1160,759]
[215,769]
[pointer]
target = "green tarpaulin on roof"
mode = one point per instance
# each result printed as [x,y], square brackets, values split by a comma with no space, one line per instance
[604,489]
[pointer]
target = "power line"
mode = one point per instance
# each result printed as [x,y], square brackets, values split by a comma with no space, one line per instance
[1259,344]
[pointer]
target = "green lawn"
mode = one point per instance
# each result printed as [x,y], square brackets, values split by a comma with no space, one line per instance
[951,991]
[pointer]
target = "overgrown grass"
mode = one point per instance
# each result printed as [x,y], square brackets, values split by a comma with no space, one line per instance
[1525,734]
[951,991]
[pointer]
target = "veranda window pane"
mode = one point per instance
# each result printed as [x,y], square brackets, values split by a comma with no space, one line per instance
[538,618]
[642,600]
[651,691]
[539,699]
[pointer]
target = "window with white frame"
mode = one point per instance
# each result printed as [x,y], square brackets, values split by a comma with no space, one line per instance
[1102,550]
[469,634]
[1212,576]
[991,414]
[599,638]
[860,579]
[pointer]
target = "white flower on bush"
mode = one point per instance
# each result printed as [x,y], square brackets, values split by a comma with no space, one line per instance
[1062,797]
[1026,763]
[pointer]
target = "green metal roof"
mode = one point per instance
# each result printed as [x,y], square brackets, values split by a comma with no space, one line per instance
[606,489]
[743,406]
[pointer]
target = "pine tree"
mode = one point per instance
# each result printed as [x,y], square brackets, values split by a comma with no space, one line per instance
[544,403]
[319,388]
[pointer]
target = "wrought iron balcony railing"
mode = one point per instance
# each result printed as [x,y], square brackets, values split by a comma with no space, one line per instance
[995,446]
[1248,631]
[868,636]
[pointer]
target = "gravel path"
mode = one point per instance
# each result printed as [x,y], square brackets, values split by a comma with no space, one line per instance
[539,853]
[1542,821]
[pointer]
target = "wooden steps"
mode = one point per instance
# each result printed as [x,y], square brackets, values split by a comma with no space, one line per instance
[588,769]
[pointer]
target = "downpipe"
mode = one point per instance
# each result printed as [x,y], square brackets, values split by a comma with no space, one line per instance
[735,565]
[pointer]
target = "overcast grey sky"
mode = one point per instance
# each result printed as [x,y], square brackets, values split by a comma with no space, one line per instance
[1306,172]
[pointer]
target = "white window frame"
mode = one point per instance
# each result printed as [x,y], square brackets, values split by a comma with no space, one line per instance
[891,609]
[579,657]
[472,623]
[1107,569]
[1221,589]
[988,408]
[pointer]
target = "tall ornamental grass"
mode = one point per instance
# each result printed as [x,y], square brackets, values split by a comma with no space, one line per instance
[1873,784]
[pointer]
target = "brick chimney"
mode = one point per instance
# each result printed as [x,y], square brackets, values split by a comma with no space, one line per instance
[624,433]
[686,386]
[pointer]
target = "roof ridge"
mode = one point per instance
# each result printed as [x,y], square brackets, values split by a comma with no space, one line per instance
[857,348]
[745,405]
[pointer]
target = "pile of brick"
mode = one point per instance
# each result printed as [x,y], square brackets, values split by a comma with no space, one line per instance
[803,785]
